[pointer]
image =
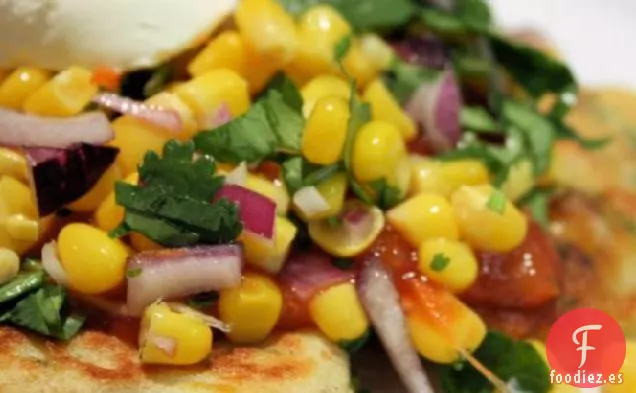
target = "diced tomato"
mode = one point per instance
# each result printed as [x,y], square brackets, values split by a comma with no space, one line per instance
[270,170]
[107,78]
[396,254]
[526,277]
[295,314]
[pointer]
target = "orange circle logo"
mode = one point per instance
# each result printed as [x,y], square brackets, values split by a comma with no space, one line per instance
[586,349]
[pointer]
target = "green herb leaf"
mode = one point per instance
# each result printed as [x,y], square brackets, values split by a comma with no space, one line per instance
[535,71]
[342,48]
[293,174]
[475,14]
[352,346]
[564,131]
[174,206]
[274,123]
[43,312]
[478,119]
[203,300]
[497,201]
[160,77]
[281,83]
[322,173]
[443,23]
[363,15]
[135,272]
[21,285]
[387,196]
[512,361]
[439,262]
[342,263]
[537,200]
[404,79]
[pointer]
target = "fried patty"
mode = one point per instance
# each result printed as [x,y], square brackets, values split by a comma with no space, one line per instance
[100,362]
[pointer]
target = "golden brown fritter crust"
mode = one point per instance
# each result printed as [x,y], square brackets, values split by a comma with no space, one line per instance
[96,362]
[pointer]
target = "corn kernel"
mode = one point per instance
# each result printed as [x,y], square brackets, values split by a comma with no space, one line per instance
[225,51]
[16,199]
[109,214]
[3,74]
[323,86]
[325,21]
[13,164]
[449,262]
[445,177]
[168,337]
[628,370]
[439,324]
[259,69]
[357,64]
[134,138]
[94,262]
[67,94]
[267,255]
[333,189]
[379,152]
[92,199]
[205,94]
[172,102]
[141,243]
[338,313]
[484,227]
[377,51]
[423,217]
[20,227]
[266,26]
[520,180]
[326,130]
[385,107]
[19,85]
[9,265]
[252,309]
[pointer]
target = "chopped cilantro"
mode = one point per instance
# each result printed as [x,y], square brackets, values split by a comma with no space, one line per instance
[321,174]
[273,124]
[159,78]
[342,263]
[293,174]
[342,48]
[439,262]
[334,221]
[403,79]
[537,201]
[497,201]
[203,300]
[387,196]
[354,345]
[478,119]
[508,359]
[135,272]
[21,284]
[173,206]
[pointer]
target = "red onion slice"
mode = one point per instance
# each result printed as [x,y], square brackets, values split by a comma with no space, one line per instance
[51,263]
[181,272]
[23,130]
[308,273]
[436,106]
[382,303]
[153,114]
[258,213]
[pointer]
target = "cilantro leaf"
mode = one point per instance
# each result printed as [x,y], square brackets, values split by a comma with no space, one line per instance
[535,71]
[475,14]
[387,196]
[478,119]
[320,174]
[537,200]
[281,83]
[293,174]
[343,263]
[342,48]
[439,262]
[43,313]
[274,123]
[510,360]
[356,344]
[174,204]
[403,79]
[363,15]
[22,284]
[497,201]
[203,300]
[135,272]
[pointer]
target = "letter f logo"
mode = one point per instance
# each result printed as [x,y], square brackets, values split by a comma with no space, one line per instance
[583,344]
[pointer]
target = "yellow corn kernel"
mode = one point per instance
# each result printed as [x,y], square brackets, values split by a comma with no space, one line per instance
[252,309]
[3,74]
[326,130]
[323,86]
[379,152]
[385,107]
[9,265]
[268,28]
[134,138]
[259,69]
[94,197]
[273,190]
[19,85]
[171,101]
[422,217]
[445,177]
[205,94]
[109,214]
[16,199]
[267,255]
[67,94]
[449,262]
[338,313]
[13,164]
[225,51]
[169,337]
[520,180]
[377,51]
[484,227]
[20,227]
[94,262]
[443,325]
[357,64]
[628,370]
[141,243]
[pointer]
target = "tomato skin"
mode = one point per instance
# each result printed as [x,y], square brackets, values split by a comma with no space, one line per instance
[526,277]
